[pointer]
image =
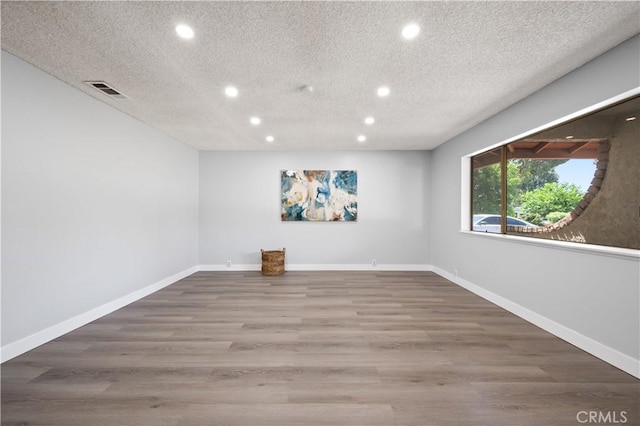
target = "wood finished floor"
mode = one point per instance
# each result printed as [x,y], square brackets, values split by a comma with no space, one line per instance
[317,348]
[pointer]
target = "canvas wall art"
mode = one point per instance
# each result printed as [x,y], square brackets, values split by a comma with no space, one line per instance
[319,195]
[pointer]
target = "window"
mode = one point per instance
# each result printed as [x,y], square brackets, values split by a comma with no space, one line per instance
[578,181]
[486,190]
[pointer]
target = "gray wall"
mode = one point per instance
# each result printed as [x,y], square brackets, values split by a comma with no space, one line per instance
[594,295]
[240,209]
[95,205]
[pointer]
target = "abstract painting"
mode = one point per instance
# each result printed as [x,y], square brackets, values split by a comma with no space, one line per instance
[319,195]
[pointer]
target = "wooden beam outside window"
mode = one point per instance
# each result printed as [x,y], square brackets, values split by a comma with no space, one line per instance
[577,147]
[540,147]
[554,154]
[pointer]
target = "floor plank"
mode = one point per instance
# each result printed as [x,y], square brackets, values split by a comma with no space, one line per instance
[311,348]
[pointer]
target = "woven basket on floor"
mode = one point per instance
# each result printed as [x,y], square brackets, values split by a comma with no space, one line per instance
[272,262]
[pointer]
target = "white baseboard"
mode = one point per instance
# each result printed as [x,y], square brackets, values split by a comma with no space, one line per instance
[28,343]
[358,267]
[234,268]
[597,349]
[321,267]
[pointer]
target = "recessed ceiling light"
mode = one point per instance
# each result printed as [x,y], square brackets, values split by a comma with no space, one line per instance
[630,118]
[231,92]
[410,31]
[270,138]
[569,137]
[255,120]
[369,120]
[362,138]
[383,91]
[184,31]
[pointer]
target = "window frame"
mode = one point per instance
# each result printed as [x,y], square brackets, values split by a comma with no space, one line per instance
[466,222]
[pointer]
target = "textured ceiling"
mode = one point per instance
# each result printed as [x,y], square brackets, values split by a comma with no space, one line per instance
[471,60]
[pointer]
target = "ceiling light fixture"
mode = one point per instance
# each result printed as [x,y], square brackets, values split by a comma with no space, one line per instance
[362,138]
[383,91]
[270,138]
[369,120]
[569,137]
[184,31]
[255,120]
[231,92]
[630,118]
[410,31]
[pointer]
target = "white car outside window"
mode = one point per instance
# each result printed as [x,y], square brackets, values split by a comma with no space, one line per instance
[491,222]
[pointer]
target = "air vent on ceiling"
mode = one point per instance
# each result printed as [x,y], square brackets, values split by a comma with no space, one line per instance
[106,89]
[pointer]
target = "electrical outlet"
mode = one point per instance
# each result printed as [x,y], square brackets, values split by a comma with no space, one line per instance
[228,263]
[455,272]
[374,263]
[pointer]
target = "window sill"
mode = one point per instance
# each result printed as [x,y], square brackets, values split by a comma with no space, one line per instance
[621,253]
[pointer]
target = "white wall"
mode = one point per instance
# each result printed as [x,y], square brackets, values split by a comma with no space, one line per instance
[240,210]
[96,206]
[592,297]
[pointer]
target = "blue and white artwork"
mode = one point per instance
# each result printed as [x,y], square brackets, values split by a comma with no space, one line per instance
[319,195]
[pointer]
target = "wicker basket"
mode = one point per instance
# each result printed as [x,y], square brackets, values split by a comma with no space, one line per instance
[272,262]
